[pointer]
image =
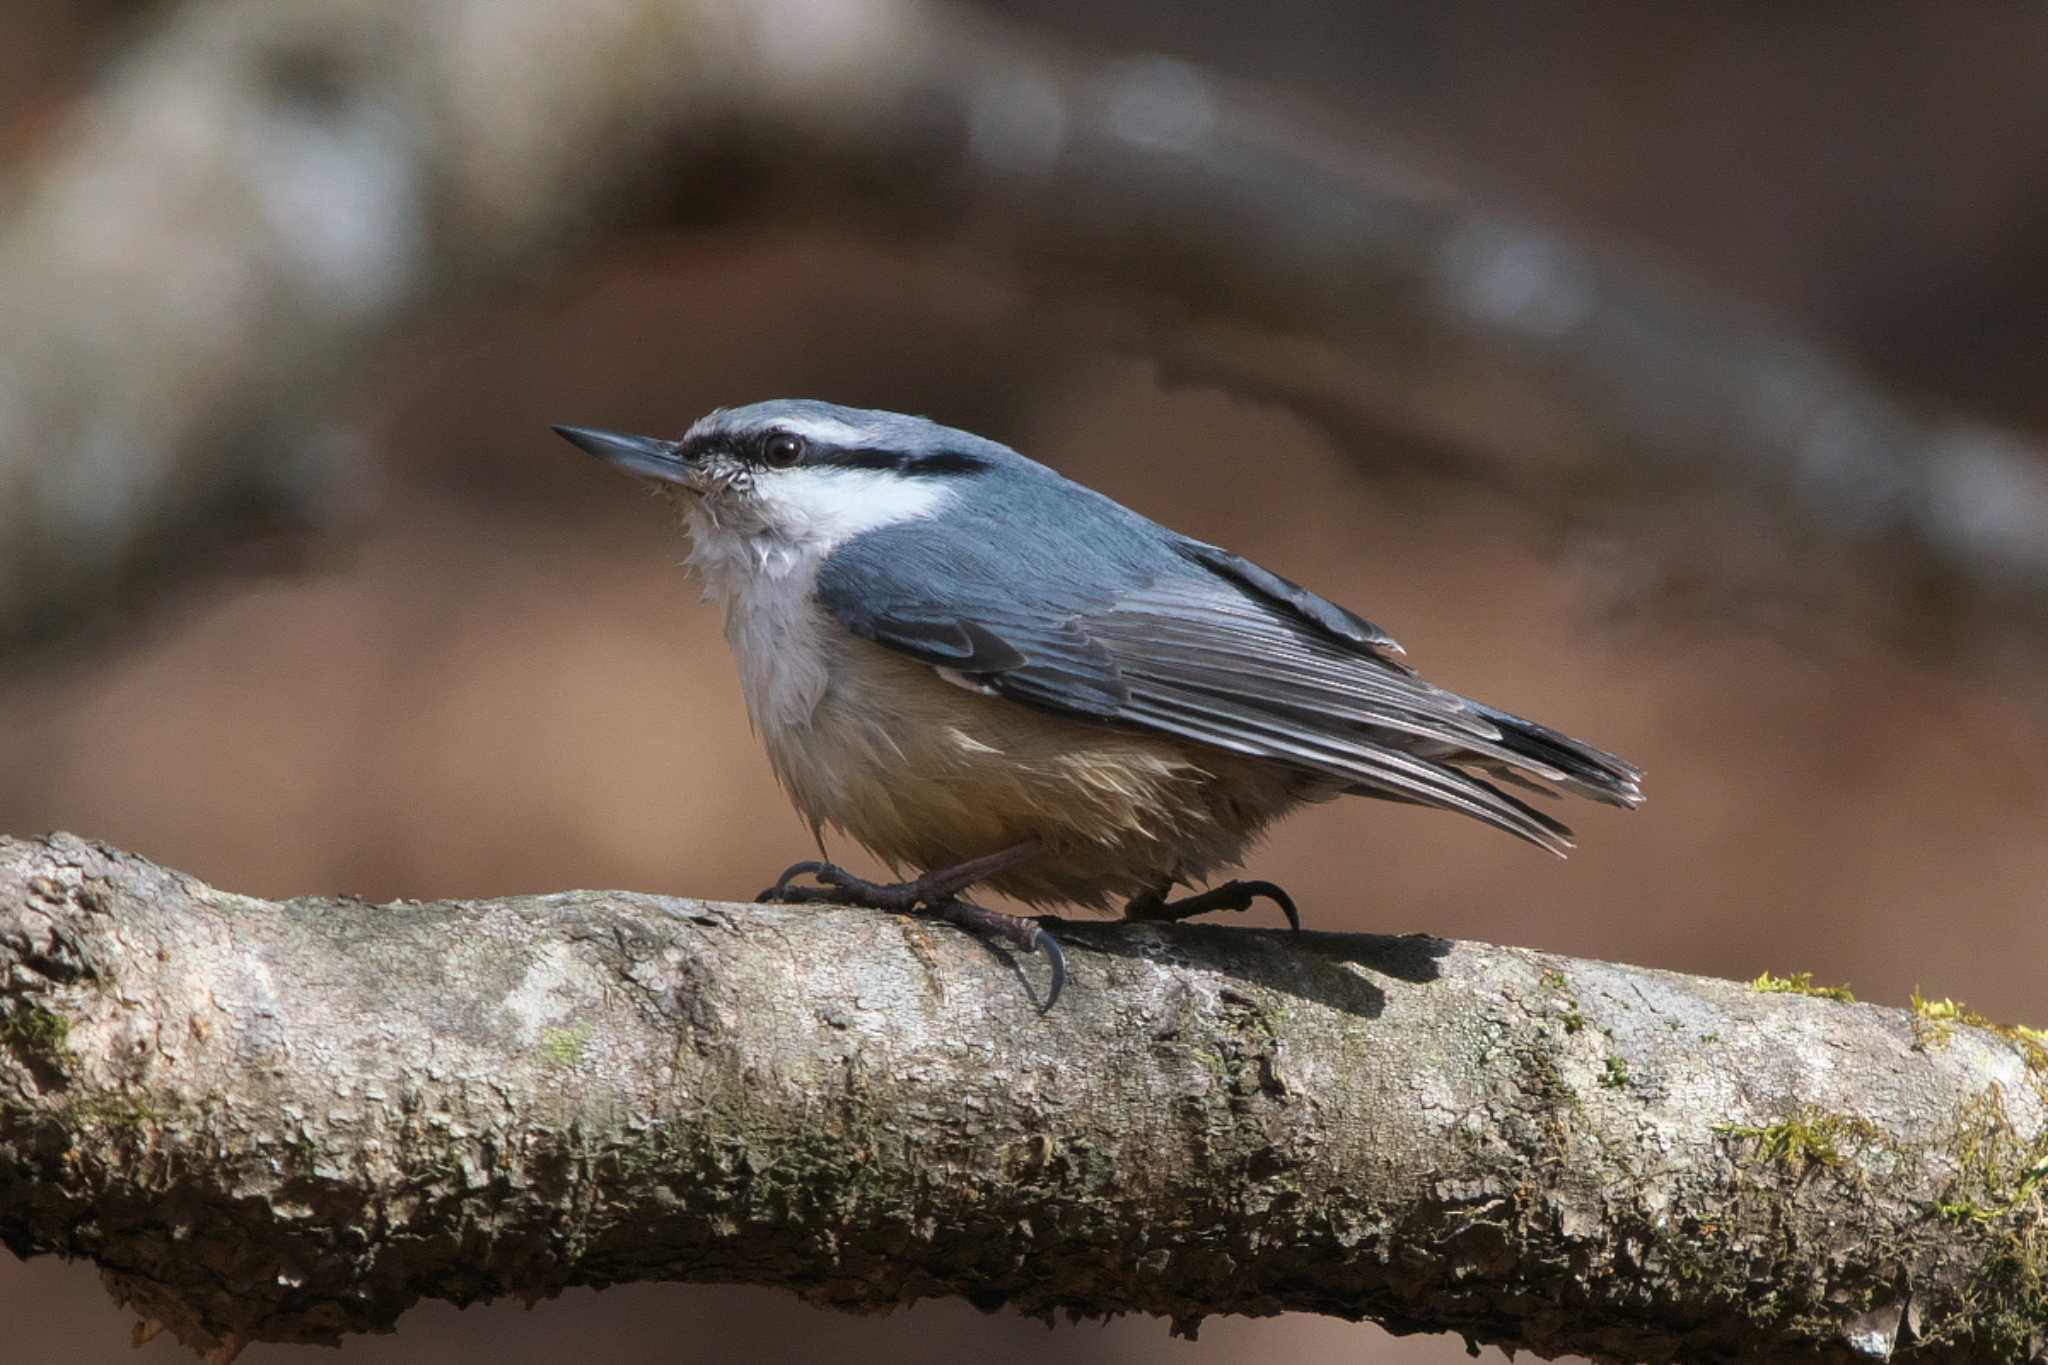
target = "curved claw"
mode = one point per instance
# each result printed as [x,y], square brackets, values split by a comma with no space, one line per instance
[1043,942]
[810,867]
[1278,896]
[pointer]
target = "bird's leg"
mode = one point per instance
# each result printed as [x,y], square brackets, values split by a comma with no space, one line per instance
[1154,907]
[837,886]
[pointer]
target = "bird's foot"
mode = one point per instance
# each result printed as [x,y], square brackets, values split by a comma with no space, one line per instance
[1153,907]
[837,886]
[934,894]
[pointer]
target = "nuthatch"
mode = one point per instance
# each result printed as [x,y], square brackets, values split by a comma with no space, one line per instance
[992,675]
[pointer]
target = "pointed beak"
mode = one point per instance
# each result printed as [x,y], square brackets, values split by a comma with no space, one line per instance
[643,455]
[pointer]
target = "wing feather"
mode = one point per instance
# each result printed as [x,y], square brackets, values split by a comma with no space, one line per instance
[1209,648]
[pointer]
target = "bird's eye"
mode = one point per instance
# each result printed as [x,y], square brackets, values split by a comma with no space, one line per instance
[781,450]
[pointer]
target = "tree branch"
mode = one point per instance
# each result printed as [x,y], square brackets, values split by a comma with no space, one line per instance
[289,1121]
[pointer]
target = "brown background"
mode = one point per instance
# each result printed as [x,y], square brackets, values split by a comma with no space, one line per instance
[506,685]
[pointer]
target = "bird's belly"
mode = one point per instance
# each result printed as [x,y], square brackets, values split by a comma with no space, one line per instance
[926,773]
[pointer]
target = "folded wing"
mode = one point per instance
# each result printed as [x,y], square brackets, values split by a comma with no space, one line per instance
[1206,647]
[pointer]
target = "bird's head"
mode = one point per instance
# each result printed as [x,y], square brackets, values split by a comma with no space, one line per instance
[801,475]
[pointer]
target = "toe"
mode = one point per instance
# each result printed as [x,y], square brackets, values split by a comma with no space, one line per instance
[809,867]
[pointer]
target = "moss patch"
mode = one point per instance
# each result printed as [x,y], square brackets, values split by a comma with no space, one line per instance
[1998,1173]
[2000,1192]
[1800,983]
[115,1115]
[1935,1021]
[41,1039]
[1991,1214]
[1806,1139]
[1554,981]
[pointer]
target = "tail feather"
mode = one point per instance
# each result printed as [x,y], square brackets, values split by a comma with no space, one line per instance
[1587,771]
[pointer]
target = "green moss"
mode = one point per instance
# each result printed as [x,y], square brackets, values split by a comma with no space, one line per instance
[1800,983]
[1806,1139]
[1998,1173]
[564,1047]
[1993,1212]
[1615,1077]
[1999,1193]
[1553,980]
[117,1115]
[39,1037]
[1989,1213]
[1935,1021]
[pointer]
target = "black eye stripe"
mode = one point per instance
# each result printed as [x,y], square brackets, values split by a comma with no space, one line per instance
[846,457]
[930,464]
[750,449]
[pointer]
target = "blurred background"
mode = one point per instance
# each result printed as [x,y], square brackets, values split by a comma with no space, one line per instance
[1672,376]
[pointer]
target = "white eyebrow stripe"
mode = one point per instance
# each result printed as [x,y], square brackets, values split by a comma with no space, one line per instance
[824,430]
[829,430]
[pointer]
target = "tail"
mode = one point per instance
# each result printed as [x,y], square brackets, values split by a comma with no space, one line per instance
[1533,758]
[1585,771]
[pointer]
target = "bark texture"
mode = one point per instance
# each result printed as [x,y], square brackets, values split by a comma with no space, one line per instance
[286,1121]
[264,196]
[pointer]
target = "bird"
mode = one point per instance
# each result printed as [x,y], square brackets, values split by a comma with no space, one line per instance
[994,676]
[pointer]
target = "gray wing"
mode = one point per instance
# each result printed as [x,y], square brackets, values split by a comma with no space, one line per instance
[1200,645]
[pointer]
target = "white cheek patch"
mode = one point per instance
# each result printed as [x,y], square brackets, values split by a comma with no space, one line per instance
[761,563]
[824,505]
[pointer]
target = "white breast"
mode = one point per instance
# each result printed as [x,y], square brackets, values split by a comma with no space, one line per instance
[772,622]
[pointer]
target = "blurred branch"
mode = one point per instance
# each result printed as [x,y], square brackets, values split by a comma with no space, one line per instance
[290,1121]
[202,273]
